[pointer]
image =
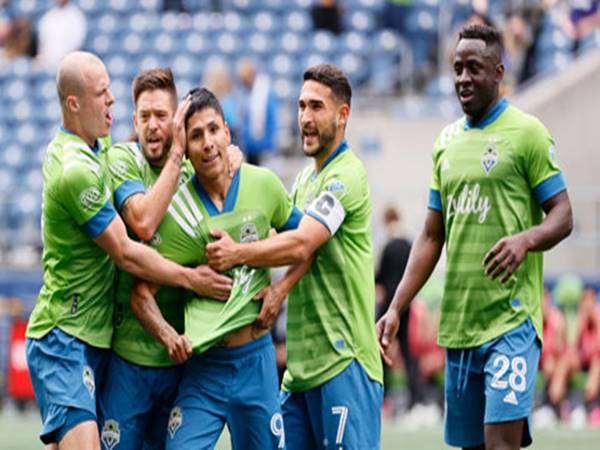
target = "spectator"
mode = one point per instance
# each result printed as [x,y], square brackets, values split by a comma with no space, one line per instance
[216,79]
[326,15]
[254,112]
[19,40]
[395,14]
[518,38]
[61,29]
[391,269]
[173,5]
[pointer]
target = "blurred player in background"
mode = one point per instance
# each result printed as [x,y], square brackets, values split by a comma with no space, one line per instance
[233,377]
[333,389]
[494,177]
[70,327]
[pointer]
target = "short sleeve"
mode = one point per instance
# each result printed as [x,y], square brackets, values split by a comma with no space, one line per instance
[285,215]
[344,192]
[87,199]
[542,171]
[435,197]
[125,173]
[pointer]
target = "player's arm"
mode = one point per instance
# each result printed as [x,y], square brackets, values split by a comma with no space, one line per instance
[423,257]
[146,263]
[287,248]
[143,212]
[274,295]
[510,251]
[145,308]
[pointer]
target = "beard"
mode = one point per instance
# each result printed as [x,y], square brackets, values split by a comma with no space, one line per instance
[325,139]
[159,159]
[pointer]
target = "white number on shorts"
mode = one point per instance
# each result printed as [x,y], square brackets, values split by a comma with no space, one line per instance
[516,379]
[277,429]
[343,412]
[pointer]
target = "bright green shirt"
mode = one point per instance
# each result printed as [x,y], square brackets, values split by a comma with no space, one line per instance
[331,310]
[78,275]
[256,202]
[489,181]
[132,174]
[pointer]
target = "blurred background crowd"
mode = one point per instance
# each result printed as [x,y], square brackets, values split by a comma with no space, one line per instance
[251,53]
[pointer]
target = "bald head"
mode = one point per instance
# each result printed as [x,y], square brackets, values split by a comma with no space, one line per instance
[71,78]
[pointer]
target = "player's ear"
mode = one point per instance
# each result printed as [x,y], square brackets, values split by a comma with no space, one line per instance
[343,114]
[499,72]
[72,103]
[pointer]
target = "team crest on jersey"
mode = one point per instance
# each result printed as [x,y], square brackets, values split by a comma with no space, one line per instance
[175,421]
[336,186]
[248,232]
[489,157]
[155,240]
[89,197]
[88,380]
[111,434]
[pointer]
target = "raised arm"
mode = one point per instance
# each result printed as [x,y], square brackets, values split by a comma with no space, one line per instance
[145,308]
[424,255]
[143,212]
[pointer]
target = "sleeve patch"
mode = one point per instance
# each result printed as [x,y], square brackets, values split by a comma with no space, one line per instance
[329,210]
[336,186]
[89,198]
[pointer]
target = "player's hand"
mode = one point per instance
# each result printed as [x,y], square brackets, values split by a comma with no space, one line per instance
[272,298]
[387,329]
[236,158]
[212,284]
[505,257]
[222,254]
[180,349]
[179,139]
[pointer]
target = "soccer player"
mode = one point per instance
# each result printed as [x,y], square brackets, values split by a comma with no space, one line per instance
[333,389]
[141,379]
[70,327]
[494,177]
[235,381]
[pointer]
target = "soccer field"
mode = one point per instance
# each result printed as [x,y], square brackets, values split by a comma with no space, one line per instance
[19,432]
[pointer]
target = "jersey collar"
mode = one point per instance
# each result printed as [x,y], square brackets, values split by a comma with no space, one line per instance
[230,200]
[338,151]
[490,117]
[95,148]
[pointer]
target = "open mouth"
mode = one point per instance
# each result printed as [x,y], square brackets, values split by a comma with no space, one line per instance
[466,96]
[108,118]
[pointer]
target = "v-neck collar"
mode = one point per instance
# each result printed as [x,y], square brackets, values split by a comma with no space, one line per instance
[490,117]
[230,200]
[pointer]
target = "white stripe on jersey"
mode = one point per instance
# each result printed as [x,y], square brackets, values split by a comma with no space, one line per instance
[185,189]
[78,158]
[184,226]
[184,209]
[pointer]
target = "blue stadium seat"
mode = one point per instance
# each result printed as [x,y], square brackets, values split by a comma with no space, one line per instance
[363,21]
[284,88]
[283,65]
[265,22]
[590,42]
[291,43]
[258,44]
[234,22]
[354,66]
[92,8]
[100,45]
[298,21]
[441,86]
[324,42]
[354,42]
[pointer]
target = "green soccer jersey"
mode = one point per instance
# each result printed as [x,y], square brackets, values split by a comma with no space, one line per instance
[132,174]
[256,202]
[489,182]
[78,275]
[331,310]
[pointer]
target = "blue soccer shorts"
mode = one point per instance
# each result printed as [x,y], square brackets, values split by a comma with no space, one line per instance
[490,384]
[64,373]
[343,413]
[237,386]
[135,403]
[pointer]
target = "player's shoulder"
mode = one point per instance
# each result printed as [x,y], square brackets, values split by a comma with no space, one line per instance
[127,150]
[525,121]
[346,165]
